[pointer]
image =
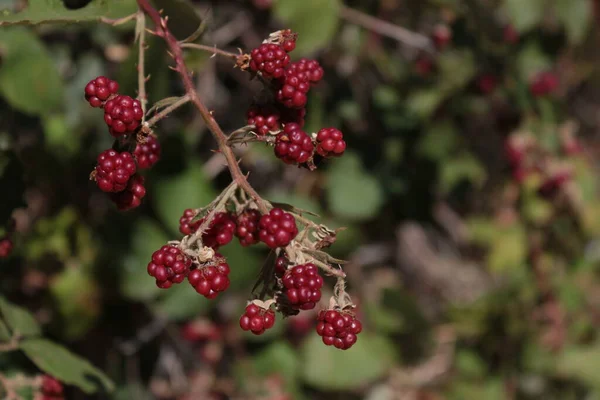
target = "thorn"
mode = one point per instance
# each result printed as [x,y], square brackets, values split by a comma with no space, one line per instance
[170,54]
[146,79]
[173,68]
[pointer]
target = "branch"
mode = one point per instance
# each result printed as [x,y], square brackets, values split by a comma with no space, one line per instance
[177,53]
[385,28]
[140,30]
[210,49]
[166,111]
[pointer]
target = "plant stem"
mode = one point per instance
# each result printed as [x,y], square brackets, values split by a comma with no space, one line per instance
[167,110]
[210,49]
[140,29]
[177,53]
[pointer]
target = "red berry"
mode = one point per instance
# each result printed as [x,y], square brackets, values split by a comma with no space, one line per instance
[338,328]
[256,319]
[423,66]
[98,90]
[265,118]
[114,170]
[123,115]
[551,186]
[296,82]
[270,59]
[148,153]
[200,330]
[247,227]
[168,266]
[281,265]
[510,34]
[277,228]
[441,36]
[311,68]
[288,40]
[220,232]
[6,247]
[487,83]
[132,196]
[302,286]
[543,84]
[51,387]
[212,279]
[330,142]
[293,145]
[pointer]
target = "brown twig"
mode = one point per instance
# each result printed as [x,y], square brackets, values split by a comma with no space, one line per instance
[140,29]
[166,111]
[210,49]
[388,29]
[175,49]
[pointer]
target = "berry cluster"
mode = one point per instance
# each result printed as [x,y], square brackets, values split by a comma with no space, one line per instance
[220,232]
[338,328]
[116,171]
[283,115]
[257,319]
[247,227]
[211,279]
[51,389]
[302,286]
[168,266]
[277,228]
[543,84]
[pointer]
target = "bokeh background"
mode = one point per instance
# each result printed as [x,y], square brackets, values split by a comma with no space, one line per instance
[468,190]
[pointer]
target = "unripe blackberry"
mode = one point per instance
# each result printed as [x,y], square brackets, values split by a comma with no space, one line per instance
[338,328]
[52,388]
[123,115]
[487,83]
[132,196]
[247,227]
[114,170]
[6,247]
[302,286]
[330,142]
[221,230]
[168,266]
[98,90]
[288,40]
[148,153]
[311,68]
[270,59]
[265,118]
[277,228]
[212,279]
[294,86]
[186,226]
[256,319]
[423,66]
[293,145]
[510,34]
[441,36]
[543,84]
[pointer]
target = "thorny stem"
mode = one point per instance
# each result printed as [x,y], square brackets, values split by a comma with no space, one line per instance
[166,111]
[140,29]
[177,54]
[210,49]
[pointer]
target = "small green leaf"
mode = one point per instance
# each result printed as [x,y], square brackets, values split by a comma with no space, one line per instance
[4,332]
[18,319]
[45,11]
[576,17]
[29,79]
[328,368]
[315,21]
[465,167]
[525,15]
[439,141]
[172,195]
[65,366]
[581,363]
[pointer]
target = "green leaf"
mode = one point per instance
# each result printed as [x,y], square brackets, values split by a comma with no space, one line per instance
[351,192]
[18,319]
[245,263]
[424,102]
[576,17]
[182,302]
[457,68]
[136,284]
[439,141]
[278,358]
[65,366]
[465,167]
[525,15]
[55,11]
[315,21]
[29,79]
[531,60]
[508,251]
[327,368]
[172,195]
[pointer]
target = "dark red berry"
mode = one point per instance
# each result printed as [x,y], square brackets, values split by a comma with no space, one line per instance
[551,186]
[148,153]
[132,196]
[247,227]
[200,330]
[277,228]
[281,265]
[330,142]
[288,40]
[168,266]
[424,66]
[186,226]
[510,34]
[256,319]
[114,170]
[543,84]
[338,328]
[487,83]
[98,90]
[51,387]
[311,68]
[6,247]
[212,279]
[293,145]
[270,59]
[441,36]
[220,232]
[294,86]
[123,115]
[302,286]
[265,118]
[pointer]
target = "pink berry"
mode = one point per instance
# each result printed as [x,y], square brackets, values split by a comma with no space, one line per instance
[302,286]
[330,142]
[247,227]
[98,90]
[338,328]
[148,153]
[265,118]
[277,228]
[510,34]
[168,266]
[212,279]
[6,247]
[114,170]
[256,319]
[51,387]
[441,36]
[269,59]
[132,196]
[123,115]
